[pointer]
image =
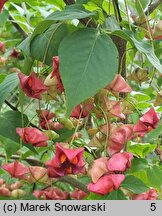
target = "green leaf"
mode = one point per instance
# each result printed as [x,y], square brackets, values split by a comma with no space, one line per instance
[5,176]
[2,77]
[7,86]
[93,196]
[41,28]
[64,134]
[28,63]
[4,16]
[141,5]
[71,12]
[154,134]
[134,117]
[81,1]
[111,24]
[45,46]
[134,184]
[28,197]
[146,48]
[88,62]
[143,105]
[57,3]
[139,96]
[9,145]
[154,175]
[143,176]
[123,35]
[97,2]
[5,198]
[9,121]
[141,45]
[88,156]
[92,6]
[85,179]
[141,149]
[138,164]
[19,9]
[30,147]
[25,46]
[115,195]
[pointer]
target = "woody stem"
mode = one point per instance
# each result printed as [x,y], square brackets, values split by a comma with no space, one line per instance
[72,181]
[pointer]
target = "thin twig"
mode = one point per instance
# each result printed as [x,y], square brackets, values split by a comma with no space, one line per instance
[11,106]
[16,110]
[152,7]
[72,181]
[119,42]
[117,10]
[17,26]
[30,160]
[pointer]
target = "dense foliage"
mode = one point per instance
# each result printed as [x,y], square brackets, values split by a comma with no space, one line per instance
[81,99]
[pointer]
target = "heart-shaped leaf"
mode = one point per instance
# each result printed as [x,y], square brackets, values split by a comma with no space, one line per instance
[88,62]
